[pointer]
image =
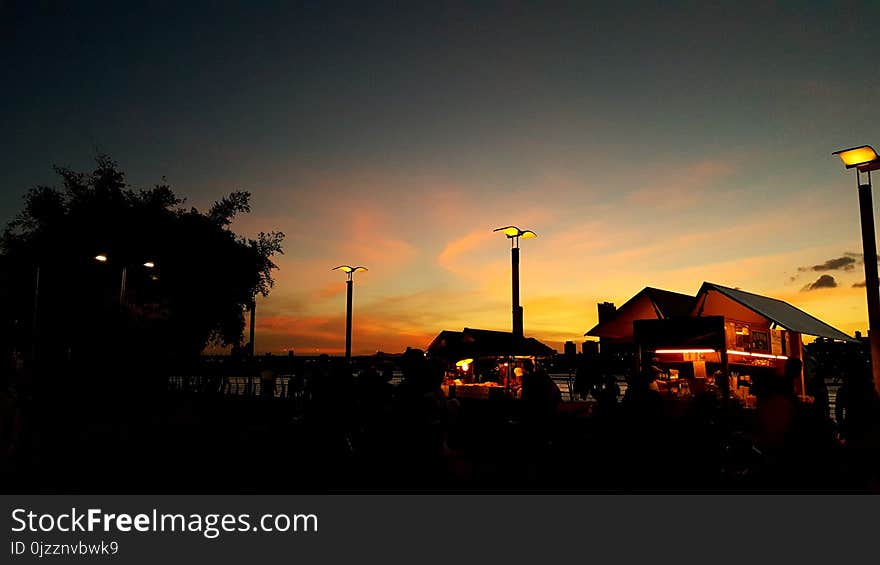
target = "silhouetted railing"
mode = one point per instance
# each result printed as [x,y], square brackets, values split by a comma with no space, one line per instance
[292,388]
[283,386]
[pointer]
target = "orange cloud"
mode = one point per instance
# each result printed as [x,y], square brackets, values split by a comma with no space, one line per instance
[454,255]
[330,290]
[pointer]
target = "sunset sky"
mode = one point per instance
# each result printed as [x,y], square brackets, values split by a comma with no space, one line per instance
[648,144]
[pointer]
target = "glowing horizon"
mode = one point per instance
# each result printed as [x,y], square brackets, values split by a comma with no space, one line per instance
[420,284]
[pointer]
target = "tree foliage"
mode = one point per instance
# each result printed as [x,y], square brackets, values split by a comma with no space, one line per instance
[204,277]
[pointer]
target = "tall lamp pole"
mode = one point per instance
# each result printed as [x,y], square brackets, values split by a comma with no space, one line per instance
[348,283]
[513,233]
[253,323]
[864,160]
[102,258]
[35,320]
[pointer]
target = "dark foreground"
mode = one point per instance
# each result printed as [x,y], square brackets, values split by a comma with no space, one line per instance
[365,435]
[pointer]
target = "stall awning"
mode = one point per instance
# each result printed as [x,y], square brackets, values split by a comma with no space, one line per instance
[475,343]
[705,332]
[782,313]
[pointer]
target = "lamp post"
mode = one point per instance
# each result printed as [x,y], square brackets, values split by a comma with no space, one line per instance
[102,258]
[35,321]
[251,329]
[513,233]
[348,283]
[864,160]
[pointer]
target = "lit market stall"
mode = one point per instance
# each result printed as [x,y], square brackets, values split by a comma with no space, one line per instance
[730,340]
[484,363]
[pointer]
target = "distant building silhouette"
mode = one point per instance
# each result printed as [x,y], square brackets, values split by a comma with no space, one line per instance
[570,349]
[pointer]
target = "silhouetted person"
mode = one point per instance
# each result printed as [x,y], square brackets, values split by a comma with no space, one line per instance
[267,383]
[588,377]
[11,406]
[776,405]
[374,396]
[797,442]
[388,374]
[859,407]
[371,384]
[642,433]
[328,418]
[815,386]
[420,414]
[540,397]
[642,399]
[540,404]
[606,396]
[855,404]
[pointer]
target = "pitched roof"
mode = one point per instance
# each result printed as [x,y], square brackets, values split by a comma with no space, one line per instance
[671,304]
[474,343]
[665,304]
[783,313]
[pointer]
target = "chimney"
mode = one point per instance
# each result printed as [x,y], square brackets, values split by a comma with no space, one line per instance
[607,311]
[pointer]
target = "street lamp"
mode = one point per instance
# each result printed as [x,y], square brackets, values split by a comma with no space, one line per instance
[864,160]
[102,258]
[513,233]
[349,271]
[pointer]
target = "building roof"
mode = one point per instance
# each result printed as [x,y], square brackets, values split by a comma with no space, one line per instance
[475,343]
[670,304]
[663,303]
[782,313]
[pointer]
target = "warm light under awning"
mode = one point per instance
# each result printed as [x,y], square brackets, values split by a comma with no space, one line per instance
[761,355]
[685,351]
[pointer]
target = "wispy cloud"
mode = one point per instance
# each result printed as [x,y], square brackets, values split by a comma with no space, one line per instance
[453,254]
[845,262]
[681,187]
[329,290]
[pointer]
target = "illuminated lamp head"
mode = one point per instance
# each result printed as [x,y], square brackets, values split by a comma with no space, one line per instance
[514,234]
[349,270]
[863,158]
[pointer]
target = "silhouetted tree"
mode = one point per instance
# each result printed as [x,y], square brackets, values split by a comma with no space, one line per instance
[204,275]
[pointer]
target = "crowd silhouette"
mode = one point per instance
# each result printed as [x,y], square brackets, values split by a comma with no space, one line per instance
[389,425]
